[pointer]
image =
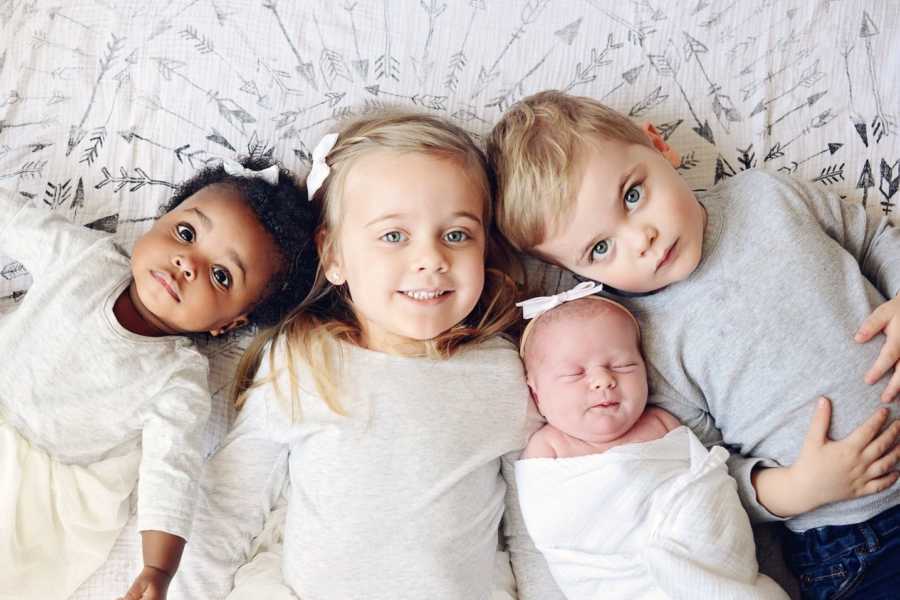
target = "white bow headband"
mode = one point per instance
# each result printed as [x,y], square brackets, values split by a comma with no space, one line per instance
[320,169]
[236,169]
[535,307]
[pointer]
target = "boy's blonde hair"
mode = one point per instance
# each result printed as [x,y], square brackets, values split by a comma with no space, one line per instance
[535,151]
[314,328]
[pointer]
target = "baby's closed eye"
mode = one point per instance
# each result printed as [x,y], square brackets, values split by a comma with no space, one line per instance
[574,374]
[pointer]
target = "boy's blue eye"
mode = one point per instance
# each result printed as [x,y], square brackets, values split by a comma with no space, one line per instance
[634,195]
[393,237]
[222,276]
[185,232]
[600,249]
[456,236]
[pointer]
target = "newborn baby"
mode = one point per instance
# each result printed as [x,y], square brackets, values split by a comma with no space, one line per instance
[622,500]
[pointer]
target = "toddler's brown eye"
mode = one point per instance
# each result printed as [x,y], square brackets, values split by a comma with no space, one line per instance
[185,232]
[222,277]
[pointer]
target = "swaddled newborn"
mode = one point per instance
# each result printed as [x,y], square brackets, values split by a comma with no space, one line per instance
[622,500]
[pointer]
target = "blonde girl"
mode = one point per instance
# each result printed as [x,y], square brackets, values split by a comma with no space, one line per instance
[387,400]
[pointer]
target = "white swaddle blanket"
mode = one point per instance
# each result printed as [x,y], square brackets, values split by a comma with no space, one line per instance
[654,520]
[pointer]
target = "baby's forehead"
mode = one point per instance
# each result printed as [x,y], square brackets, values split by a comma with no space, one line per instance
[576,314]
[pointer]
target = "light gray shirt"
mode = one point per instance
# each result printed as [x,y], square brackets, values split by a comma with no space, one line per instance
[84,388]
[741,349]
[401,498]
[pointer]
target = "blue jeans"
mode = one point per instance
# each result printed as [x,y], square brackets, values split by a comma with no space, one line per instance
[848,561]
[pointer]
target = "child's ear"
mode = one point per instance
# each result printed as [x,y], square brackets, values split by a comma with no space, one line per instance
[660,144]
[328,258]
[534,394]
[236,323]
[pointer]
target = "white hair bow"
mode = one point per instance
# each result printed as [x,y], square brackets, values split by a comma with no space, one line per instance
[535,307]
[269,174]
[320,169]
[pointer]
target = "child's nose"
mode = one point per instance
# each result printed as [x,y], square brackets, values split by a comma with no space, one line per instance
[430,257]
[186,265]
[602,379]
[642,238]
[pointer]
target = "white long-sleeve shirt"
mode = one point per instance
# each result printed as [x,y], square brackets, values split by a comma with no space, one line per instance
[402,498]
[76,383]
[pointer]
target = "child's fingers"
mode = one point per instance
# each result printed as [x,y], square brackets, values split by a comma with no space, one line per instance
[865,433]
[884,443]
[880,484]
[893,386]
[873,325]
[818,427]
[886,360]
[135,592]
[884,465]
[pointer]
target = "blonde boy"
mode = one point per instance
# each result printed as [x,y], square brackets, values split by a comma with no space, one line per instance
[756,297]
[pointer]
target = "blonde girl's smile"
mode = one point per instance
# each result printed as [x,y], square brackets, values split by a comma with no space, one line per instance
[427,296]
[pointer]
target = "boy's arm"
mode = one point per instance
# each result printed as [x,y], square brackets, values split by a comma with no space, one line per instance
[533,578]
[873,241]
[826,471]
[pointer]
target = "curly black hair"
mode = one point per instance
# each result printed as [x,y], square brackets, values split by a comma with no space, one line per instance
[285,213]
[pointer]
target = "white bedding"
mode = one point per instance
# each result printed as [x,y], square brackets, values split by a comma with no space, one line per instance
[105,105]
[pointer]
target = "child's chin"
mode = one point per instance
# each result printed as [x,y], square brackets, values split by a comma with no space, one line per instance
[425,335]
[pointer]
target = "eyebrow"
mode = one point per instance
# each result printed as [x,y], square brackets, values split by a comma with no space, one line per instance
[230,253]
[207,222]
[237,261]
[467,215]
[626,177]
[462,213]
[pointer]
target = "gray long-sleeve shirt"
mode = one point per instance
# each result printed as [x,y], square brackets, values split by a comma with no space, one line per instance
[740,350]
[402,498]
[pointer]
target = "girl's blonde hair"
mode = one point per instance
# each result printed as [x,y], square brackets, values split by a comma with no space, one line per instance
[325,318]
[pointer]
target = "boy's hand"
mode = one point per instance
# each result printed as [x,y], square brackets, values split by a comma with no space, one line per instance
[885,318]
[151,584]
[863,463]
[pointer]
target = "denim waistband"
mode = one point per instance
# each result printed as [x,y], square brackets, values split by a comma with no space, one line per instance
[815,546]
